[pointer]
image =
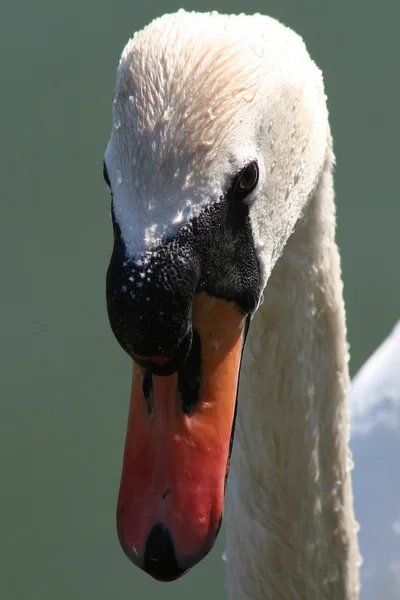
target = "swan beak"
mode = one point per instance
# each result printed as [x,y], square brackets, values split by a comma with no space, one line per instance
[178,445]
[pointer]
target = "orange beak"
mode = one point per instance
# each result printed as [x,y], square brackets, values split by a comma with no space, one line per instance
[177,448]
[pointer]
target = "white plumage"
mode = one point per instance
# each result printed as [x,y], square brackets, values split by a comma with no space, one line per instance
[375,443]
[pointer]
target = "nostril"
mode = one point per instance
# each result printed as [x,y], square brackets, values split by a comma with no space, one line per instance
[159,555]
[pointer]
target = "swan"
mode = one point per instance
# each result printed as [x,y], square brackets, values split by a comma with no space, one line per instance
[224,263]
[375,444]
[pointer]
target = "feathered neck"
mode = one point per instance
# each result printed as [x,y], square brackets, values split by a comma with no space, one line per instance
[291,532]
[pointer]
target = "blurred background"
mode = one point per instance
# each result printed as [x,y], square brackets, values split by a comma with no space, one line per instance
[64,383]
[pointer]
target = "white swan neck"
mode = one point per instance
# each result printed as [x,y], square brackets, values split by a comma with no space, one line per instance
[291,533]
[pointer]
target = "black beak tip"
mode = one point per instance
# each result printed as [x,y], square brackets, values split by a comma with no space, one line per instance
[159,556]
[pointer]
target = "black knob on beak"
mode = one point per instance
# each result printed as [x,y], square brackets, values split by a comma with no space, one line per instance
[165,364]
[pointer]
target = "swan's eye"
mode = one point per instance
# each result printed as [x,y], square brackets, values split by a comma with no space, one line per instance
[106,177]
[248,178]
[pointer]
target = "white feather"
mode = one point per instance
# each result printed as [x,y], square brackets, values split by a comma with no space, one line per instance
[375,443]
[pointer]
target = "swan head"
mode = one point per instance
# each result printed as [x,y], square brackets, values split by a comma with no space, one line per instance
[218,140]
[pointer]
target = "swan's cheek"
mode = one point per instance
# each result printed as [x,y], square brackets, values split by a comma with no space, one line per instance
[176,455]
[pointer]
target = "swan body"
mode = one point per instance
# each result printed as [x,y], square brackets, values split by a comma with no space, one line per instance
[375,443]
[220,168]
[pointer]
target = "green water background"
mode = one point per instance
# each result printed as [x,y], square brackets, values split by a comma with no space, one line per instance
[64,382]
